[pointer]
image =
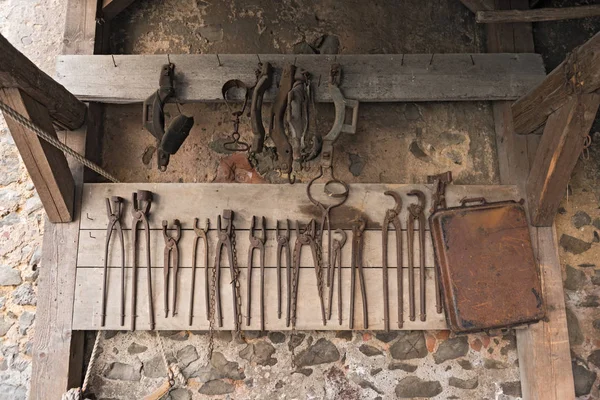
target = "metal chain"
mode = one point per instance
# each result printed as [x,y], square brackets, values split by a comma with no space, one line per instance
[294,291]
[21,120]
[211,312]
[235,277]
[319,270]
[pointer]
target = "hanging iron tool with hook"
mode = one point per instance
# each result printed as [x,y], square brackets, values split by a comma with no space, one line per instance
[257,243]
[297,117]
[142,200]
[201,234]
[392,216]
[438,202]
[307,238]
[283,247]
[416,213]
[277,122]
[171,254]
[114,222]
[357,268]
[264,81]
[235,144]
[227,241]
[153,115]
[337,263]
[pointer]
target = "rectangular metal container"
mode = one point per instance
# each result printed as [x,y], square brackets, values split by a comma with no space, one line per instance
[488,274]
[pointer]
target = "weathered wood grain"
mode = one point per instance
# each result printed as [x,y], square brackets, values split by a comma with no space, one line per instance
[541,14]
[478,5]
[112,8]
[367,78]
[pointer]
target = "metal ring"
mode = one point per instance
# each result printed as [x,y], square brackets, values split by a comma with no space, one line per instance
[333,194]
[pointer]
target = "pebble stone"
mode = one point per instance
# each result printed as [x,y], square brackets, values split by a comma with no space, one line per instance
[410,344]
[216,388]
[411,386]
[469,384]
[581,219]
[451,348]
[123,372]
[370,351]
[322,352]
[9,276]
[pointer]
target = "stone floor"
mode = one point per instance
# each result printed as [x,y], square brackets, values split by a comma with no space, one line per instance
[307,364]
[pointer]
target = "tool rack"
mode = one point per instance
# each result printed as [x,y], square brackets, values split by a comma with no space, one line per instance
[544,354]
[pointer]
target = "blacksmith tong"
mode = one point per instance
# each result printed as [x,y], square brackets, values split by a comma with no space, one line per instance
[283,248]
[416,213]
[256,243]
[337,263]
[392,216]
[201,234]
[114,222]
[142,200]
[153,116]
[357,268]
[171,254]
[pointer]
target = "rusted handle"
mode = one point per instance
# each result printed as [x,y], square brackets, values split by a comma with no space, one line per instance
[466,200]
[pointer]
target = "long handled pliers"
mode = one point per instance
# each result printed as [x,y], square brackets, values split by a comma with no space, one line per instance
[171,253]
[392,216]
[415,212]
[357,267]
[337,262]
[256,243]
[114,222]
[283,246]
[200,234]
[140,213]
[225,240]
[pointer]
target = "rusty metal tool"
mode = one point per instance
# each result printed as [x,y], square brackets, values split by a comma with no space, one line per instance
[337,262]
[438,203]
[227,241]
[256,243]
[142,200]
[357,268]
[235,144]
[277,117]
[306,238]
[114,222]
[200,234]
[264,82]
[171,254]
[283,247]
[297,118]
[392,216]
[415,213]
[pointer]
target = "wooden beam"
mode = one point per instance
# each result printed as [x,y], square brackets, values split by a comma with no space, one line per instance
[557,154]
[57,349]
[367,78]
[111,8]
[579,73]
[46,165]
[537,15]
[16,71]
[478,5]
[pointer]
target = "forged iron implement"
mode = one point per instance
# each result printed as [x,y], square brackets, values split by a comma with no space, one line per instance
[142,200]
[227,241]
[277,122]
[114,213]
[256,243]
[438,203]
[235,144]
[297,118]
[264,82]
[171,254]
[415,212]
[200,234]
[283,246]
[337,262]
[306,238]
[153,117]
[392,216]
[357,267]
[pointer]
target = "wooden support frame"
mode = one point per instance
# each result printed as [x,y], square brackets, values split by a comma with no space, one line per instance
[111,8]
[478,5]
[537,15]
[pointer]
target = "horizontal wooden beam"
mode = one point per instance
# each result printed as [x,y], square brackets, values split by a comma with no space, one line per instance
[367,78]
[111,8]
[557,154]
[478,5]
[17,71]
[536,15]
[579,73]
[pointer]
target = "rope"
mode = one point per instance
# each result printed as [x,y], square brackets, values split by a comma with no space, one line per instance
[77,393]
[21,120]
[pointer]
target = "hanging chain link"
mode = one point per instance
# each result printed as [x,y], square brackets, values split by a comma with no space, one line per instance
[21,120]
[211,312]
[235,277]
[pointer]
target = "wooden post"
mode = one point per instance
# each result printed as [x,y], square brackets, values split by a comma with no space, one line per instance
[579,73]
[46,165]
[16,71]
[540,14]
[557,154]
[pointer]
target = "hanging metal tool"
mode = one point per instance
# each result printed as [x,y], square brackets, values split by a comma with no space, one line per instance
[264,82]
[235,144]
[153,116]
[114,222]
[337,262]
[438,202]
[297,115]
[141,201]
[392,216]
[307,238]
[357,267]
[227,241]
[171,254]
[283,247]
[200,234]
[257,243]
[415,212]
[277,127]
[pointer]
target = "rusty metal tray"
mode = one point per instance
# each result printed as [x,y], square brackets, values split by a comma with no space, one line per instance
[488,274]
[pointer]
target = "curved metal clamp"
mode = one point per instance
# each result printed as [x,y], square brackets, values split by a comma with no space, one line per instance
[264,82]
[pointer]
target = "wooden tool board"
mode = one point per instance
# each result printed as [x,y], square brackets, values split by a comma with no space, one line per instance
[186,201]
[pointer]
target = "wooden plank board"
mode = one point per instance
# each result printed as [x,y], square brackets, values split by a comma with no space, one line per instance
[88,301]
[537,15]
[478,5]
[367,78]
[112,8]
